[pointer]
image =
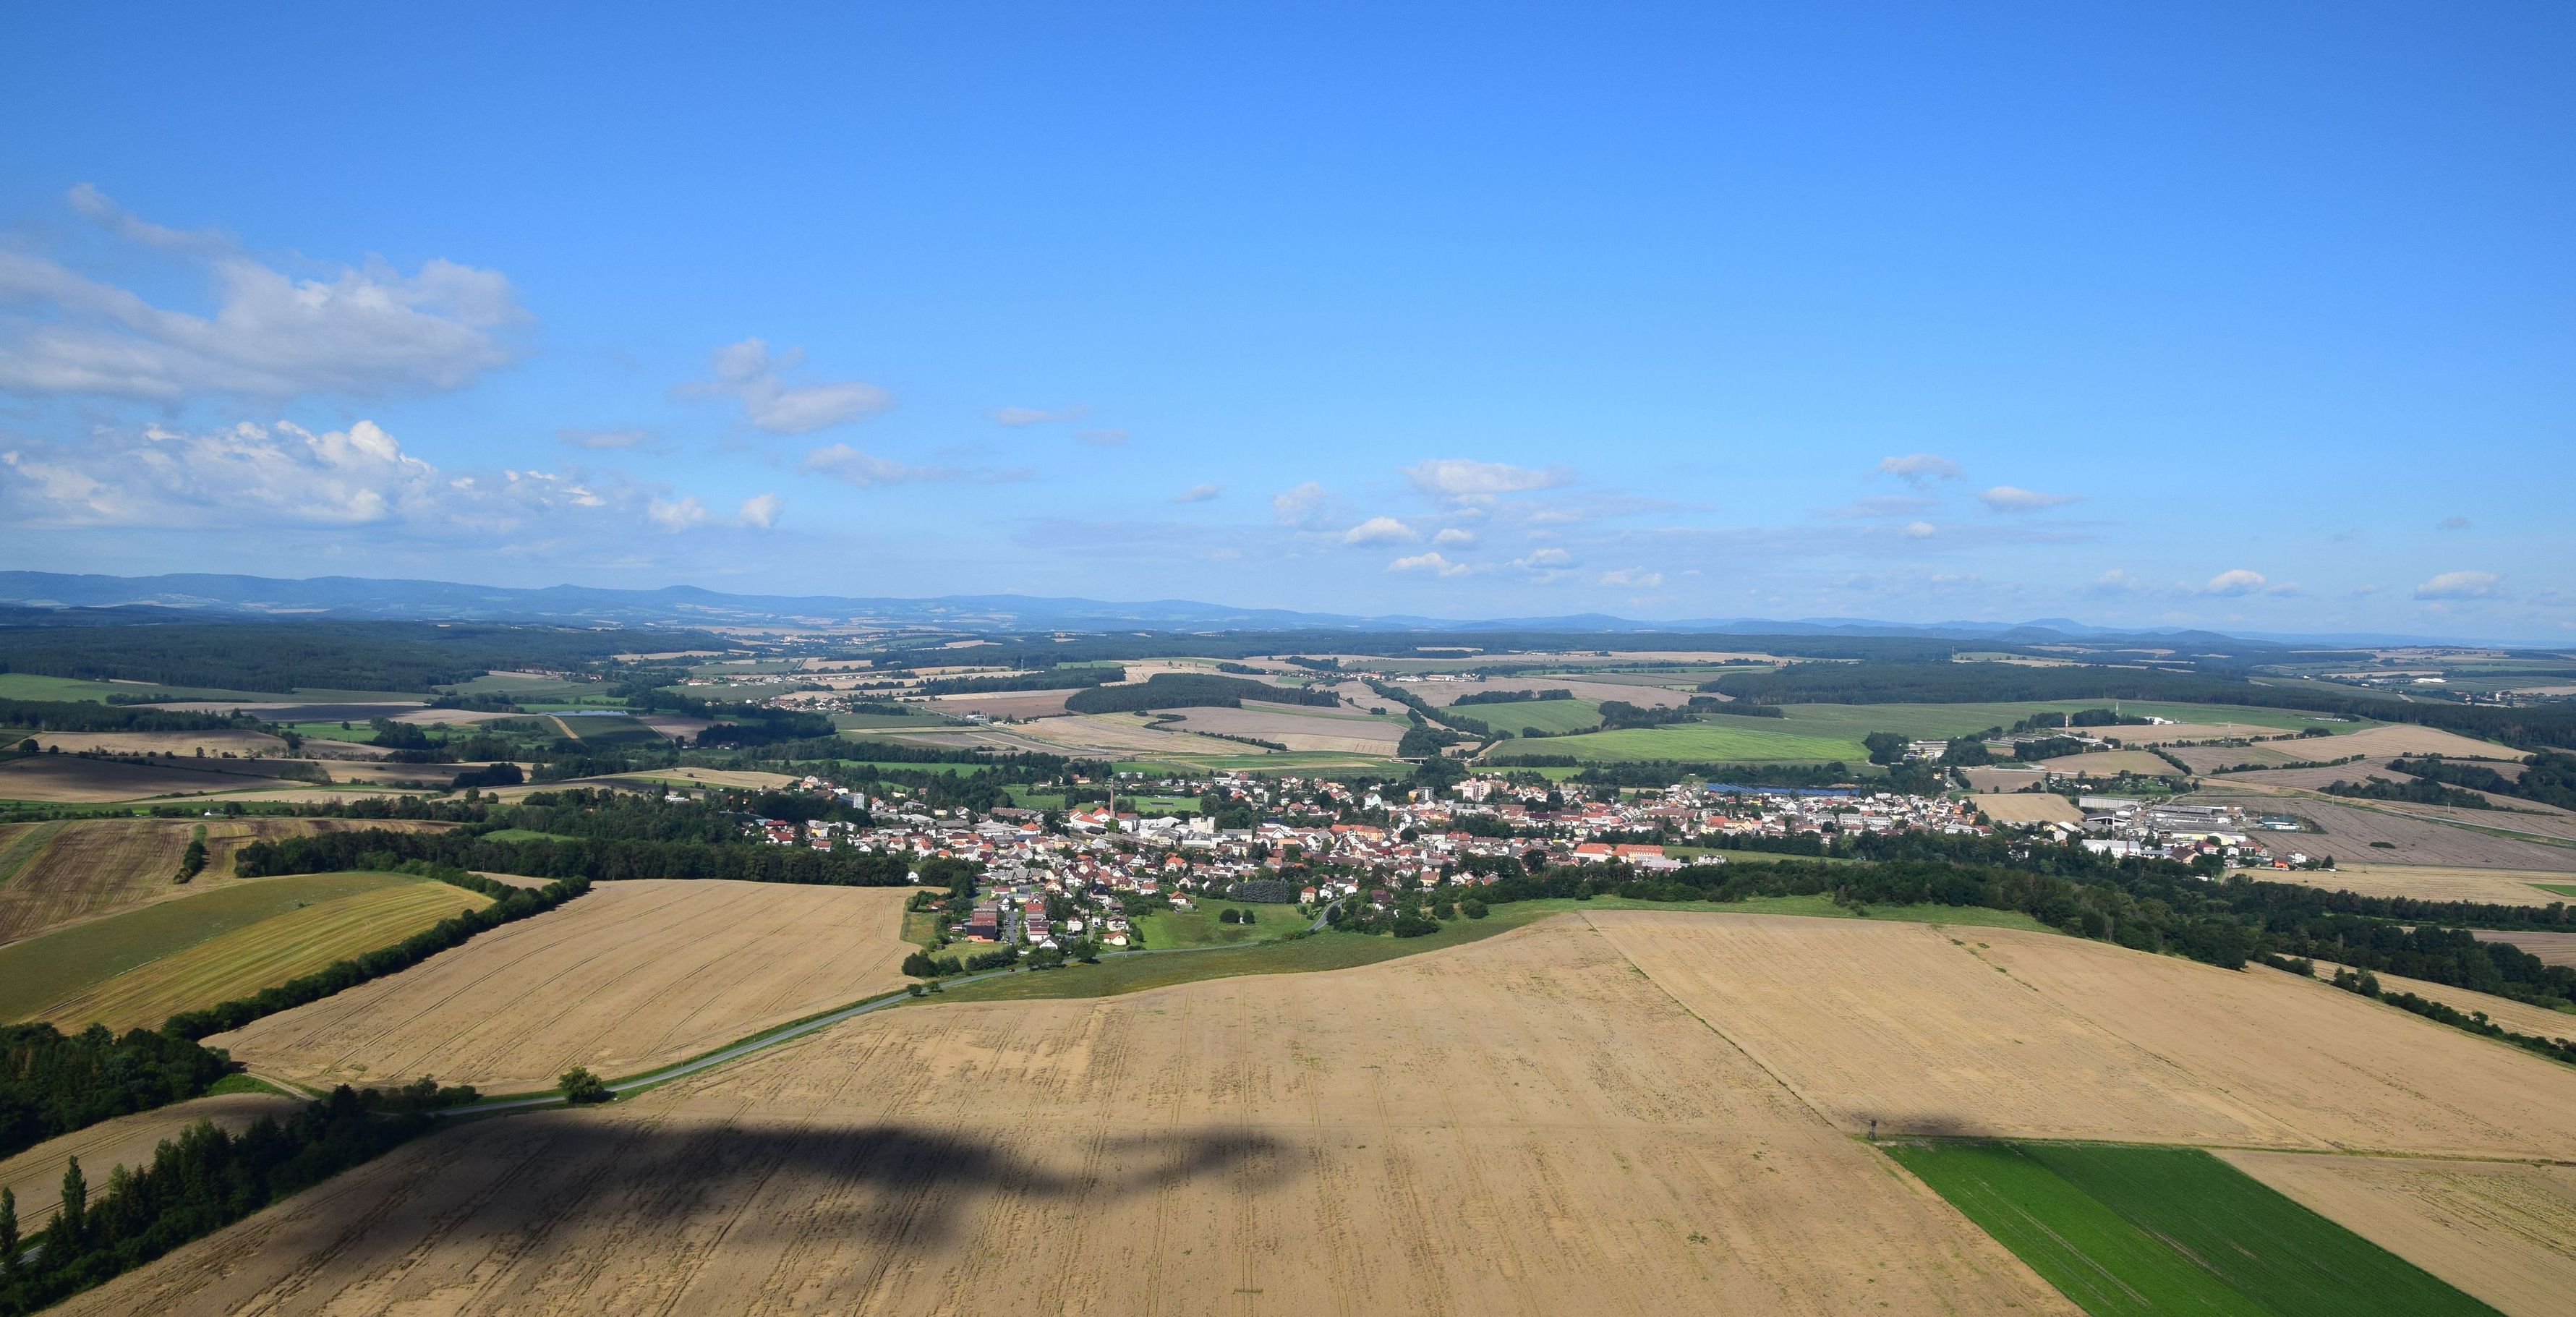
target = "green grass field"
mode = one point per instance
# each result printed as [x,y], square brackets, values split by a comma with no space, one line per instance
[527,688]
[30,686]
[1199,928]
[47,969]
[2139,1230]
[863,722]
[1554,717]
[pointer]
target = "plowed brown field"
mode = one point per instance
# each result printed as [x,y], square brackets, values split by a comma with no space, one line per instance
[1522,1126]
[1996,1032]
[632,976]
[93,867]
[2503,1233]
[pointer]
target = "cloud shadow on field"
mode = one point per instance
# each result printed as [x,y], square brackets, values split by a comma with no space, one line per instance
[882,1181]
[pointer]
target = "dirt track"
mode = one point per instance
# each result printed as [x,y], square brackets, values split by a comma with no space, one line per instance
[631,976]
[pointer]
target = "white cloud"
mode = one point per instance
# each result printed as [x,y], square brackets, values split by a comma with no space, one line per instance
[364,331]
[1016,417]
[258,477]
[2007,498]
[676,515]
[748,373]
[1920,468]
[1636,578]
[2461,585]
[1454,535]
[760,511]
[1103,438]
[1541,558]
[2234,582]
[1920,530]
[1381,530]
[1429,562]
[1457,480]
[1297,507]
[2368,589]
[1198,493]
[572,438]
[867,470]
[2116,581]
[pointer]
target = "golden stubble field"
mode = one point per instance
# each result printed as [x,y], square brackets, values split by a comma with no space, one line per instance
[632,976]
[1526,1125]
[84,869]
[2504,1232]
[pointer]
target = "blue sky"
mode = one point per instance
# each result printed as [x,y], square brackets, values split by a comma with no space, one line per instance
[2139,315]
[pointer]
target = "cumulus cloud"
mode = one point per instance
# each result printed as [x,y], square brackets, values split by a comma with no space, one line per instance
[1920,530]
[1542,558]
[278,475]
[1198,493]
[1431,562]
[1297,507]
[2117,581]
[1016,417]
[366,330]
[1458,480]
[1920,469]
[867,470]
[2008,498]
[760,511]
[2234,582]
[1454,535]
[572,438]
[750,374]
[1103,438]
[1381,530]
[1635,578]
[676,514]
[2461,585]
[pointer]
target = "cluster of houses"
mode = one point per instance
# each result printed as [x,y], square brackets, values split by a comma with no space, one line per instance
[1055,877]
[2121,826]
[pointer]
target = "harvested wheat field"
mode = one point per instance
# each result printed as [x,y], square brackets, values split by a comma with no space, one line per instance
[2502,1232]
[83,869]
[2429,882]
[632,976]
[2409,739]
[1352,733]
[2033,1035]
[2028,807]
[262,955]
[215,743]
[2519,1016]
[2112,763]
[1525,1125]
[36,1175]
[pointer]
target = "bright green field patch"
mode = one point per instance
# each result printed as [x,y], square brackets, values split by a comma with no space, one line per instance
[1199,928]
[1554,717]
[2562,889]
[40,971]
[1816,733]
[2140,1230]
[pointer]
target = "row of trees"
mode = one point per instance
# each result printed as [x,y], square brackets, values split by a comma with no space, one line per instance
[587,859]
[52,1084]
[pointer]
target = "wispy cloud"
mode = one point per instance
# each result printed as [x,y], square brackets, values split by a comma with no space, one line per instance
[867,470]
[2452,523]
[760,511]
[1016,417]
[750,374]
[1882,506]
[1103,438]
[2009,498]
[1454,536]
[1919,469]
[1634,578]
[1298,506]
[2462,585]
[1920,530]
[1198,493]
[572,438]
[365,331]
[1458,480]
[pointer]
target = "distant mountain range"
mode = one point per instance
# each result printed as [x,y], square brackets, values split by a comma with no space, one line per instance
[355,597]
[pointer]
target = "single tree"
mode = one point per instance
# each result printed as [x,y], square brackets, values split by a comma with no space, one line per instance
[581,1087]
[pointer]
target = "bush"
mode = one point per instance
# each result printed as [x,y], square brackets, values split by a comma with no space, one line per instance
[1409,924]
[920,966]
[1473,908]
